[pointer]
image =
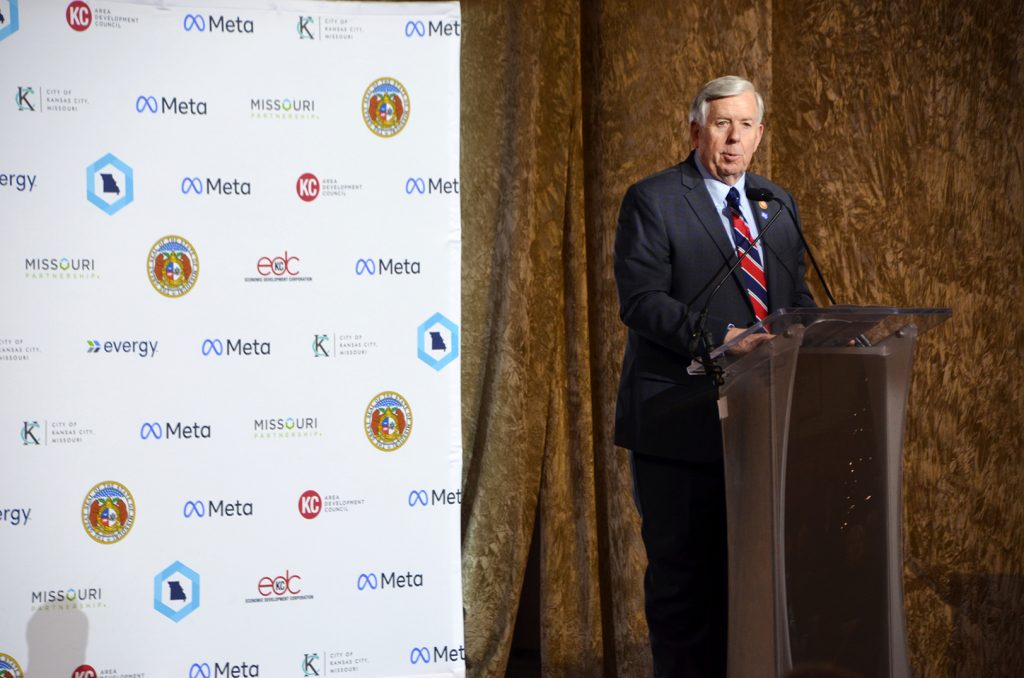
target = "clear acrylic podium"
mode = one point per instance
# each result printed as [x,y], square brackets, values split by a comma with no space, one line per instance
[812,425]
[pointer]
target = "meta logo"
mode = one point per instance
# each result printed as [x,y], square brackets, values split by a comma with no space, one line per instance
[197,186]
[156,431]
[78,15]
[149,104]
[15,516]
[389,267]
[440,654]
[110,183]
[144,348]
[437,341]
[235,347]
[226,669]
[20,182]
[222,24]
[435,497]
[308,187]
[388,580]
[421,186]
[279,585]
[84,671]
[310,504]
[9,22]
[420,29]
[278,266]
[176,591]
[216,509]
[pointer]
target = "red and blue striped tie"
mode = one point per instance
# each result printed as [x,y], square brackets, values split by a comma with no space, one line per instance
[751,265]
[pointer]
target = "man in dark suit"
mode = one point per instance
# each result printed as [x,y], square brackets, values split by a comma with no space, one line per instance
[678,233]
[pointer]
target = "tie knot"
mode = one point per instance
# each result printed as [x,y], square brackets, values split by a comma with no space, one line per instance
[732,199]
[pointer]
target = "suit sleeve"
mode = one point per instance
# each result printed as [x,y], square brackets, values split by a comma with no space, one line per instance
[643,276]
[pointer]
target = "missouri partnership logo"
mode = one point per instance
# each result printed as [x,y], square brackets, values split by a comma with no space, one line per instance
[173,266]
[198,23]
[143,348]
[386,107]
[286,427]
[110,183]
[108,512]
[283,108]
[63,268]
[176,591]
[174,105]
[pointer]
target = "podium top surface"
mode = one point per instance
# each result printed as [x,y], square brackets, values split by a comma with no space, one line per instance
[843,325]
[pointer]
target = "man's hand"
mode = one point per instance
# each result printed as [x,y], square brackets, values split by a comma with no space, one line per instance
[748,344]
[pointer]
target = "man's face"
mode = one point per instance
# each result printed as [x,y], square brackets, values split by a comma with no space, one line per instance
[727,142]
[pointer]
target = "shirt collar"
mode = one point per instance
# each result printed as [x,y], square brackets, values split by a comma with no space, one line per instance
[719,189]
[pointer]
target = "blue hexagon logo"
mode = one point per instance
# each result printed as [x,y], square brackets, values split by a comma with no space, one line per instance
[176,591]
[437,341]
[9,23]
[110,183]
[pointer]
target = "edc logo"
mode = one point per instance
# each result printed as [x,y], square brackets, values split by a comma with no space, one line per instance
[279,585]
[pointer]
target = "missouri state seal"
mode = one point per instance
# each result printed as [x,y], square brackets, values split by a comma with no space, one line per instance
[173,266]
[388,421]
[108,512]
[386,107]
[9,667]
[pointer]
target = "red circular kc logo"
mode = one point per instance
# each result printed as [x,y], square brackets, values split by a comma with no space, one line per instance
[308,187]
[79,15]
[310,504]
[84,671]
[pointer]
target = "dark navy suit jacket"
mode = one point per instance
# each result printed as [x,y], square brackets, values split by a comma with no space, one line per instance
[670,242]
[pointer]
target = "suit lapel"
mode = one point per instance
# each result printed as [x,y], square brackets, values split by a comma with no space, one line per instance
[707,212]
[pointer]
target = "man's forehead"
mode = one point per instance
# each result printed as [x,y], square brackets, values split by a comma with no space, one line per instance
[743,105]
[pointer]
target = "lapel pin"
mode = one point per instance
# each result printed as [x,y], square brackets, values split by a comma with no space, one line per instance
[762,204]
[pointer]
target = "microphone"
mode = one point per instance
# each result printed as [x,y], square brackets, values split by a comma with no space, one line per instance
[764,195]
[700,340]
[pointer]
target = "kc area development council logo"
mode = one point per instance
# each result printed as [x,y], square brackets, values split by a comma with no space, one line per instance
[386,107]
[388,421]
[173,266]
[108,512]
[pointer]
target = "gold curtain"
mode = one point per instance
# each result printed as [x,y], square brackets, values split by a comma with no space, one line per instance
[898,126]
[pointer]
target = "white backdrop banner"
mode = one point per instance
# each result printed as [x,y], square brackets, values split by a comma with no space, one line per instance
[230,439]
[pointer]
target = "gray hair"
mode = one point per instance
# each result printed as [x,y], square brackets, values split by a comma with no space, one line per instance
[719,88]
